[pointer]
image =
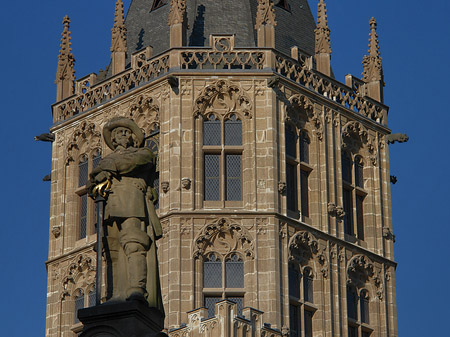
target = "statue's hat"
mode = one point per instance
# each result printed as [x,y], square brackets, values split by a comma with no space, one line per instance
[125,122]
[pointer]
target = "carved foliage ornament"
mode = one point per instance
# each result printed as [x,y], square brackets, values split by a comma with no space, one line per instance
[300,110]
[81,265]
[85,132]
[177,12]
[224,237]
[303,247]
[145,112]
[361,270]
[355,136]
[265,14]
[223,97]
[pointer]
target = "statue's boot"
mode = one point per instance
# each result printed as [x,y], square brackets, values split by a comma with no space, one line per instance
[137,276]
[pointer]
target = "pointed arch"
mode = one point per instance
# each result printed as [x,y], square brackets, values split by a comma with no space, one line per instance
[84,139]
[222,97]
[223,236]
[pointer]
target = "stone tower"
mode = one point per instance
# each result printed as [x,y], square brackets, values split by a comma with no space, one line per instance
[274,183]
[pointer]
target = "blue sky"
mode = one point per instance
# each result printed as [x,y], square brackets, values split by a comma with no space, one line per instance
[415,46]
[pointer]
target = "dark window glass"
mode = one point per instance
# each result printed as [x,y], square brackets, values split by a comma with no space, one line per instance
[211,131]
[304,147]
[239,304]
[308,289]
[157,4]
[234,272]
[291,187]
[352,331]
[366,334]
[96,160]
[304,193]
[364,305]
[79,304]
[346,168]
[212,272]
[348,209]
[92,296]
[352,303]
[234,182]
[212,173]
[294,320]
[359,181]
[210,304]
[233,131]
[83,170]
[156,189]
[291,141]
[83,216]
[153,144]
[294,282]
[308,323]
[360,216]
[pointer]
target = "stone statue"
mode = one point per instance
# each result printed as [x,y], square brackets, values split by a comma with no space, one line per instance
[131,224]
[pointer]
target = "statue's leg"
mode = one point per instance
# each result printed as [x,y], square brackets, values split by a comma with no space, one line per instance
[135,244]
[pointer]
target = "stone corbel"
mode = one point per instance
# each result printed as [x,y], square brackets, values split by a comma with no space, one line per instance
[336,211]
[165,186]
[387,234]
[397,137]
[186,183]
[56,231]
[281,187]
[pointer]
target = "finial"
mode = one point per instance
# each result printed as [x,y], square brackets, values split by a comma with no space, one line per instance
[323,45]
[65,73]
[177,12]
[265,14]
[119,32]
[373,70]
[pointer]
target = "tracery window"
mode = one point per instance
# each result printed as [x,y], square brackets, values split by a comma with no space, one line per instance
[223,278]
[78,303]
[222,152]
[301,301]
[87,207]
[358,312]
[353,195]
[297,170]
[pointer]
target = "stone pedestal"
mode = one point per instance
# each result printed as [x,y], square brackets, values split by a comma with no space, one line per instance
[124,319]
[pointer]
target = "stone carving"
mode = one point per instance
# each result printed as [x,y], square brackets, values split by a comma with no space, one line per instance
[336,211]
[361,270]
[80,269]
[373,70]
[177,12]
[87,133]
[397,137]
[145,112]
[322,32]
[186,183]
[132,226]
[223,97]
[302,247]
[223,236]
[65,73]
[265,14]
[387,234]
[119,31]
[165,186]
[222,43]
[300,110]
[56,231]
[281,187]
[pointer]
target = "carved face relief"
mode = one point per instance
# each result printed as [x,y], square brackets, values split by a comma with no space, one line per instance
[122,137]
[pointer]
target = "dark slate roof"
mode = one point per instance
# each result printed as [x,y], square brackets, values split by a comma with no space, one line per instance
[146,27]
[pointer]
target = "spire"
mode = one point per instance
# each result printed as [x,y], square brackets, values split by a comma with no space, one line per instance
[322,30]
[323,45]
[373,69]
[65,73]
[177,23]
[265,24]
[119,40]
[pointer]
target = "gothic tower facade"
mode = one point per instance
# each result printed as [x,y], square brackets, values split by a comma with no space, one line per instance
[273,177]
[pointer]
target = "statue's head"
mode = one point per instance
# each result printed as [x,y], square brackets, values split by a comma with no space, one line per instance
[123,132]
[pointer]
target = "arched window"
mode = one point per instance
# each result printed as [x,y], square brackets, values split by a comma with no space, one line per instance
[222,150]
[78,303]
[152,142]
[223,278]
[358,313]
[297,170]
[92,296]
[353,195]
[301,298]
[86,207]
